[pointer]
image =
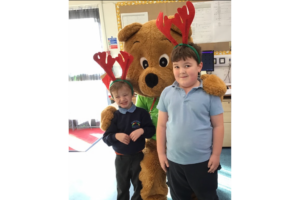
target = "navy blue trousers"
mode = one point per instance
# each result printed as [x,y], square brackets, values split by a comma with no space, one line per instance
[184,180]
[128,169]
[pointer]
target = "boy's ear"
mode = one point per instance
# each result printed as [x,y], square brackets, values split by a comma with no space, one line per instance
[128,31]
[200,65]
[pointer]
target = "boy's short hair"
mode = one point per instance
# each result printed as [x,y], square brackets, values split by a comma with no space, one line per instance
[117,85]
[184,52]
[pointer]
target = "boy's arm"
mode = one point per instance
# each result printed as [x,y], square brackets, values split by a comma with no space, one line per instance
[147,130]
[218,135]
[109,136]
[161,139]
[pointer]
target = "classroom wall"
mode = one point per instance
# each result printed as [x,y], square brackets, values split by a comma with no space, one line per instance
[109,25]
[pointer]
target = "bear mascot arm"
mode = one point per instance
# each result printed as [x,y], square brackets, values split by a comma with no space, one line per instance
[106,116]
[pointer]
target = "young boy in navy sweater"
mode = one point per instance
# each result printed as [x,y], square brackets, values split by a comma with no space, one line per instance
[126,134]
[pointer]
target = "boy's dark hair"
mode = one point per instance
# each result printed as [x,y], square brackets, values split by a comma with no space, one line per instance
[117,85]
[184,52]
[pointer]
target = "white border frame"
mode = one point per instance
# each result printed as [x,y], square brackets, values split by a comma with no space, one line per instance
[143,14]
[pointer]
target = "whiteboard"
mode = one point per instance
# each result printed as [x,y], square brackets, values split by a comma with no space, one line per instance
[212,22]
[129,18]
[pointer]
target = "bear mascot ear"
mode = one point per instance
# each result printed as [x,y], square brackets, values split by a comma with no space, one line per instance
[129,31]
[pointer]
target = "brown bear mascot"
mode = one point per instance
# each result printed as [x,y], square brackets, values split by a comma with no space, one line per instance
[150,72]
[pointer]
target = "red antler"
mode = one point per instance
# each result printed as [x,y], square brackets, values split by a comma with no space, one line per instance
[124,59]
[165,29]
[183,20]
[106,80]
[100,59]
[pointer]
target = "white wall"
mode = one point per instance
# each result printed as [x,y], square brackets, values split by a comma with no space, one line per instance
[108,19]
[111,24]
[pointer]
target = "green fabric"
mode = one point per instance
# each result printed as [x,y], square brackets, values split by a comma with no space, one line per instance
[181,44]
[146,102]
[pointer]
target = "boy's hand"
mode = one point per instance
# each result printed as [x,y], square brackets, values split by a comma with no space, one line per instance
[163,162]
[134,135]
[122,137]
[213,163]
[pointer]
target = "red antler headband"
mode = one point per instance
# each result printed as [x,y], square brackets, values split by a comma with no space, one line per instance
[183,21]
[124,59]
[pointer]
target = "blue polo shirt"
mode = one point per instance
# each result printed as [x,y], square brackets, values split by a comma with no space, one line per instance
[189,130]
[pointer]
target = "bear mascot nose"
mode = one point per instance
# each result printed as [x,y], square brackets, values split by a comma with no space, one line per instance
[151,80]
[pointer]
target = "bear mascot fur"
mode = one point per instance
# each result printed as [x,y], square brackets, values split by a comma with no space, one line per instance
[150,72]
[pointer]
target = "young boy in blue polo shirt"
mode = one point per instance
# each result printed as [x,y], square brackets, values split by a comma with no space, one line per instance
[126,134]
[190,129]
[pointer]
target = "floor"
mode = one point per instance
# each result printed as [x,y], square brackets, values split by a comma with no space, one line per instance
[92,174]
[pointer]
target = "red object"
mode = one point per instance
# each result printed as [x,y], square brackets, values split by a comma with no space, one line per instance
[124,59]
[182,20]
[106,80]
[82,139]
[152,105]
[71,149]
[100,59]
[165,28]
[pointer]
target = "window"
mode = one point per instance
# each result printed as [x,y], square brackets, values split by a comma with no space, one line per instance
[87,94]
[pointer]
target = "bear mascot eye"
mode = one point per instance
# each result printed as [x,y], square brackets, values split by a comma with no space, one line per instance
[164,60]
[144,62]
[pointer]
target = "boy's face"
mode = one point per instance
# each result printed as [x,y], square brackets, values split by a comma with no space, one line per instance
[186,72]
[123,97]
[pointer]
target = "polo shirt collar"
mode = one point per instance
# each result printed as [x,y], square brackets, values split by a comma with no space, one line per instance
[130,110]
[176,84]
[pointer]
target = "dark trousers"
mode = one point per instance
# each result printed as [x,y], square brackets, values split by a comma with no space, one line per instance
[128,168]
[184,180]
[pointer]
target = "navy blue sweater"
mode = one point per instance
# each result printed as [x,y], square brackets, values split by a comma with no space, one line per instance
[126,123]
